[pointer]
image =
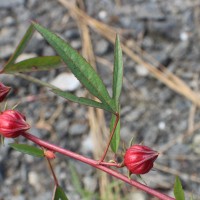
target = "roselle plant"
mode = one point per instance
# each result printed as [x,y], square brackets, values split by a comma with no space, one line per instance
[138,159]
[4,90]
[12,123]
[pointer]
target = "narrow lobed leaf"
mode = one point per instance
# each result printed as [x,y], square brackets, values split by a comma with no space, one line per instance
[178,189]
[67,95]
[59,194]
[27,149]
[78,65]
[35,80]
[82,100]
[34,64]
[117,72]
[21,46]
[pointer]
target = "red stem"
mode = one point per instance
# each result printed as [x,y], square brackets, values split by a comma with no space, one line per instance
[111,136]
[52,171]
[112,164]
[54,192]
[95,164]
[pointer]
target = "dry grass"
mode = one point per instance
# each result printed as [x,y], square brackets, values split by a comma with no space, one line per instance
[98,129]
[139,56]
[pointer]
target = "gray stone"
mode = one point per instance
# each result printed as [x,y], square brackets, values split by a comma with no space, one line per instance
[20,197]
[103,15]
[126,134]
[6,51]
[87,145]
[62,127]
[157,180]
[149,11]
[168,28]
[137,195]
[134,115]
[31,3]
[90,183]
[101,47]
[11,3]
[180,50]
[178,149]
[76,44]
[35,131]
[132,23]
[48,51]
[34,180]
[83,169]
[195,143]
[150,135]
[78,129]
[147,42]
[43,195]
[73,196]
[9,21]
[72,34]
[141,70]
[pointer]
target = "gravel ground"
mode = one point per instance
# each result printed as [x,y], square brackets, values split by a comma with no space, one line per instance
[151,112]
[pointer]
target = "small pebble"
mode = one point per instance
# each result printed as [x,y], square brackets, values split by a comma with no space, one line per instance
[77,129]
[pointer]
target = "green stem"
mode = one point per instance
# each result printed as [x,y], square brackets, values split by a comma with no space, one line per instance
[35,80]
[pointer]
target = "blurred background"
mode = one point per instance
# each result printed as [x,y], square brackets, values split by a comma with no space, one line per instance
[159,102]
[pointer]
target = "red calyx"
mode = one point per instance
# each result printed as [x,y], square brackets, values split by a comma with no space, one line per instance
[12,123]
[139,159]
[4,90]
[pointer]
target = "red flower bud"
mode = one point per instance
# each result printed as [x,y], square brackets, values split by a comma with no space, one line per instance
[49,154]
[3,91]
[139,159]
[12,123]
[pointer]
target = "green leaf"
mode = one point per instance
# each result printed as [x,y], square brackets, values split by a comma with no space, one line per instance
[35,80]
[60,194]
[34,64]
[81,100]
[21,45]
[118,72]
[78,65]
[116,137]
[66,95]
[191,198]
[178,190]
[27,149]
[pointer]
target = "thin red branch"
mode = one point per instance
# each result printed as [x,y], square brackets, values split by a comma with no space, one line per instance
[94,163]
[112,164]
[52,171]
[54,192]
[110,139]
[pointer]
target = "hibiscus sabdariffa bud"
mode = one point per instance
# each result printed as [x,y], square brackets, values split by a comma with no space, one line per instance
[4,90]
[139,159]
[49,154]
[12,123]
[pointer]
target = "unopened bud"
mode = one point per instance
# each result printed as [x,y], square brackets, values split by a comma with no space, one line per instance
[12,123]
[49,154]
[4,90]
[139,159]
